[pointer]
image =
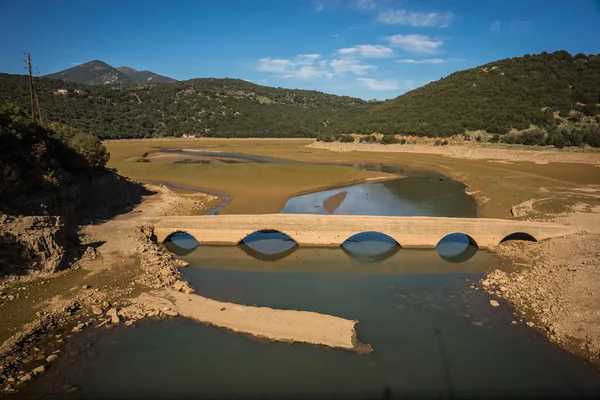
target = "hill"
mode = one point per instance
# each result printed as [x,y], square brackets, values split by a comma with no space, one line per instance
[202,107]
[496,97]
[97,72]
[94,72]
[144,76]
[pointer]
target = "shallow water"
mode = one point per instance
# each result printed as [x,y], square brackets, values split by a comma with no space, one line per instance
[432,336]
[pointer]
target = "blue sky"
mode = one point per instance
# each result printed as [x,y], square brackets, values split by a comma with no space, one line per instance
[364,48]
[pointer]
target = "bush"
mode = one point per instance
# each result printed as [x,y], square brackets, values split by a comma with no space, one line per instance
[438,142]
[346,139]
[403,141]
[388,139]
[478,138]
[326,137]
[534,137]
[445,143]
[495,138]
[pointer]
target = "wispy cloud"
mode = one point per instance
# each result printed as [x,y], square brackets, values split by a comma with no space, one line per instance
[348,65]
[365,4]
[415,43]
[336,35]
[310,66]
[429,60]
[384,84]
[368,51]
[357,5]
[403,17]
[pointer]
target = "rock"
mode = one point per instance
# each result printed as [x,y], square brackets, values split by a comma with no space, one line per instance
[494,303]
[171,313]
[51,357]
[114,316]
[530,324]
[25,378]
[129,323]
[86,287]
[97,310]
[39,370]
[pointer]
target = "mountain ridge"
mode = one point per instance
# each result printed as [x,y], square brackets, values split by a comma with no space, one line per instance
[97,72]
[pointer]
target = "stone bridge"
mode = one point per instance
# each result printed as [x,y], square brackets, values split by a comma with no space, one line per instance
[333,230]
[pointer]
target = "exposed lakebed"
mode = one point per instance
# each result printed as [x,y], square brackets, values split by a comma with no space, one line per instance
[432,333]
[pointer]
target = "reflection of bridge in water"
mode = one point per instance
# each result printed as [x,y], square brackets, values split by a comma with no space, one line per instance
[333,230]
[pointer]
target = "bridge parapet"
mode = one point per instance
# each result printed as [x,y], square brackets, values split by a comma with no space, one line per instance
[333,230]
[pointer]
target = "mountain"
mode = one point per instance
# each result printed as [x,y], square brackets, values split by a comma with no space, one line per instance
[144,76]
[94,72]
[97,72]
[202,107]
[514,93]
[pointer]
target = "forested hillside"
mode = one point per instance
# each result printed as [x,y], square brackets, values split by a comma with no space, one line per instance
[202,107]
[496,97]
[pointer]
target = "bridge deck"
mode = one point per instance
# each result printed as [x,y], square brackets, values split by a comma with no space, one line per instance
[333,230]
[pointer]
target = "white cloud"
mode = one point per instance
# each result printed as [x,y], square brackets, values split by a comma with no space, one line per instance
[415,43]
[368,50]
[429,60]
[410,85]
[347,65]
[336,35]
[495,27]
[307,58]
[309,66]
[273,64]
[374,84]
[403,17]
[365,4]
[248,80]
[318,70]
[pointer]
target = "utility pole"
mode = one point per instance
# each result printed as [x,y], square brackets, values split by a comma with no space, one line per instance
[30,85]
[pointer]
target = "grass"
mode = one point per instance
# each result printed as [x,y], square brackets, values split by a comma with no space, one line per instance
[265,187]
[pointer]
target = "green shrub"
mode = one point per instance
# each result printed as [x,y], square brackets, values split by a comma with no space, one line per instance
[403,141]
[495,138]
[346,139]
[534,137]
[388,139]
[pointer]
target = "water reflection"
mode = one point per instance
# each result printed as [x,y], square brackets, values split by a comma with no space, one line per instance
[456,247]
[370,246]
[181,243]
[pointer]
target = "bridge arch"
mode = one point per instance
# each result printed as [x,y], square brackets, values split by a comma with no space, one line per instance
[180,243]
[370,246]
[260,234]
[457,247]
[522,236]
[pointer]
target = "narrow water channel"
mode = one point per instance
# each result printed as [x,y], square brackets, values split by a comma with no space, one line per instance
[433,333]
